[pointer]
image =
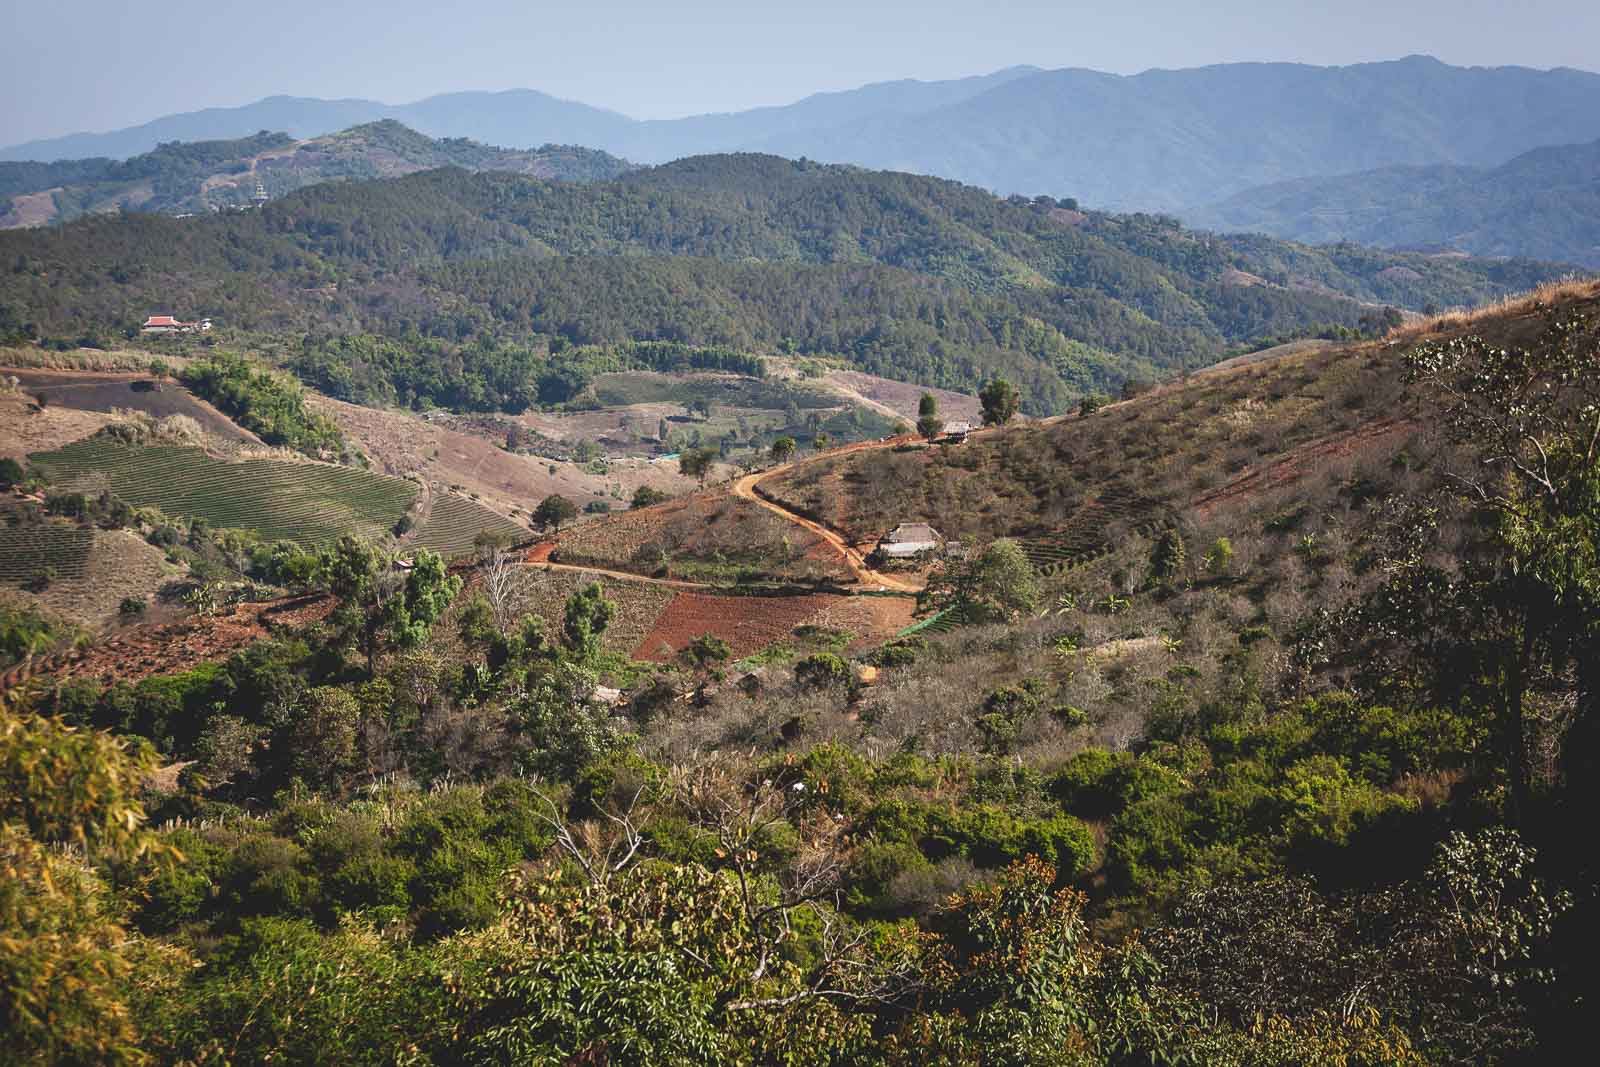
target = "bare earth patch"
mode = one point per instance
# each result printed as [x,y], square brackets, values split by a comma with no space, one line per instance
[401,444]
[747,623]
[24,428]
[900,400]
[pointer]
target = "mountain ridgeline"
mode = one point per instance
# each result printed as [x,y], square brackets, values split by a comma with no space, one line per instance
[915,278]
[1201,135]
[1544,203]
[180,178]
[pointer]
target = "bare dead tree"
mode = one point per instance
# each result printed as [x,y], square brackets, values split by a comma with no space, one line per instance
[603,848]
[507,585]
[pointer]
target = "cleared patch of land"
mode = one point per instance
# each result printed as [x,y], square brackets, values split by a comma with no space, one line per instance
[900,399]
[111,392]
[25,427]
[704,536]
[747,623]
[279,499]
[403,444]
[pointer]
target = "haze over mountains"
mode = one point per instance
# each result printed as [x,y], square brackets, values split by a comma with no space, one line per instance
[1161,140]
[1545,203]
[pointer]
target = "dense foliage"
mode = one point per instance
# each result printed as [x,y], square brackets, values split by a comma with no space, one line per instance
[268,404]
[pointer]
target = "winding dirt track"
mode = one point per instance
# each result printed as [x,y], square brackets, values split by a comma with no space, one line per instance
[746,487]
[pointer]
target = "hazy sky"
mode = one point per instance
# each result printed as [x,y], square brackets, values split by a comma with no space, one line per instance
[90,65]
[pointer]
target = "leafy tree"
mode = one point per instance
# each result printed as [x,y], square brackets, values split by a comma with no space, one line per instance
[706,652]
[697,463]
[65,965]
[1168,560]
[823,670]
[646,496]
[553,512]
[820,441]
[11,472]
[998,585]
[1531,413]
[1001,402]
[379,605]
[929,424]
[588,612]
[1220,559]
[782,449]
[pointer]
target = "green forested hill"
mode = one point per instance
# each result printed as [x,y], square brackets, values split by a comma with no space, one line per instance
[918,278]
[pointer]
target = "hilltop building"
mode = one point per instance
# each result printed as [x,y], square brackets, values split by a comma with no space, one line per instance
[168,324]
[957,431]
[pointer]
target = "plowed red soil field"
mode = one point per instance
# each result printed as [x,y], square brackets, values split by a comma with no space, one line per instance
[747,623]
[141,651]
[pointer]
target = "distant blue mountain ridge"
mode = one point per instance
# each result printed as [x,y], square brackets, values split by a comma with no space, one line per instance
[1163,140]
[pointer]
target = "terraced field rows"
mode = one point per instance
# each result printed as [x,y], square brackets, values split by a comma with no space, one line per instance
[25,552]
[311,503]
[456,521]
[1084,537]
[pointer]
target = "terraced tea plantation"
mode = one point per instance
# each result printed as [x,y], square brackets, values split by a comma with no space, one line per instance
[455,522]
[1084,537]
[312,503]
[26,552]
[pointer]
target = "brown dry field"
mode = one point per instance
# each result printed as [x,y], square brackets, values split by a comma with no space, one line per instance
[107,392]
[899,399]
[30,209]
[401,444]
[121,564]
[698,525]
[24,428]
[747,623]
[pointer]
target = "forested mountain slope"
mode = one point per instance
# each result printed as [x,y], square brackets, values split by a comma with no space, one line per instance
[917,278]
[1544,203]
[1316,728]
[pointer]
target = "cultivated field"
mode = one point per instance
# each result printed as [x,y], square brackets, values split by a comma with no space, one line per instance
[708,536]
[311,503]
[638,605]
[27,552]
[93,569]
[747,623]
[454,522]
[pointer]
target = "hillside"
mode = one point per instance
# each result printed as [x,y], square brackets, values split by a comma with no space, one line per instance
[188,178]
[1202,134]
[912,278]
[1544,203]
[1288,719]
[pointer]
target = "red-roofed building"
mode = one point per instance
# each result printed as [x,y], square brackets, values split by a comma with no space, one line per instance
[168,324]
